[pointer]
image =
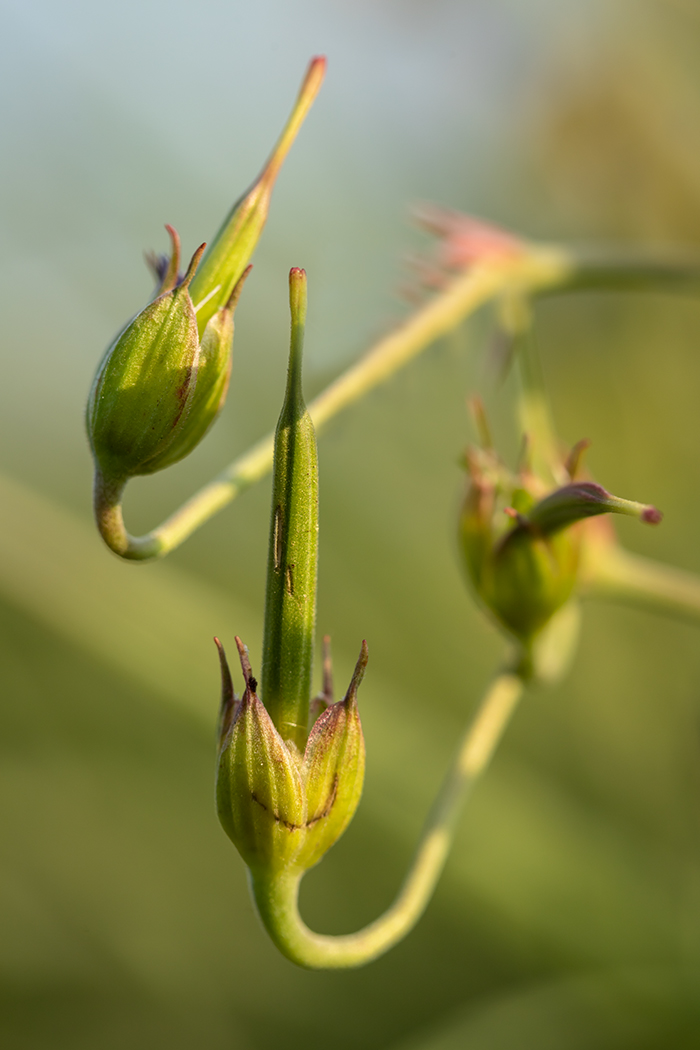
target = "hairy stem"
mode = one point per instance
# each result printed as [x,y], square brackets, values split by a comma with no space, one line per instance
[277,897]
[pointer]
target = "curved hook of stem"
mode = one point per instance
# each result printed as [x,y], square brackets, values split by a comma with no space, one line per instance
[276,897]
[109,517]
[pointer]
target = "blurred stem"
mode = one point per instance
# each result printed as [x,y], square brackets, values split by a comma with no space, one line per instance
[536,415]
[534,271]
[537,270]
[611,273]
[276,897]
[614,573]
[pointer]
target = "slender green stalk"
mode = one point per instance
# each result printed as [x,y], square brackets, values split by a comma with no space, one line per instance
[277,897]
[537,271]
[290,600]
[614,273]
[616,574]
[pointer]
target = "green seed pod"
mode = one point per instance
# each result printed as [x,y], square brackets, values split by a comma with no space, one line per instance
[162,383]
[158,389]
[283,810]
[285,794]
[213,375]
[529,576]
[260,797]
[522,547]
[141,398]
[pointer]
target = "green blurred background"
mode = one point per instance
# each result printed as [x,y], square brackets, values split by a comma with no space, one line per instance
[569,914]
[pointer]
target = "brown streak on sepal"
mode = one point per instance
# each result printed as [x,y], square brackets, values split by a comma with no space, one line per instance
[357,675]
[324,728]
[277,537]
[275,816]
[308,823]
[232,301]
[245,663]
[229,700]
[184,391]
[192,268]
[333,772]
[327,734]
[171,275]
[260,794]
[328,807]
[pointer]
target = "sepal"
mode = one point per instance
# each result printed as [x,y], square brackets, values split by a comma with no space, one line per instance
[260,796]
[213,375]
[333,771]
[522,543]
[142,394]
[282,810]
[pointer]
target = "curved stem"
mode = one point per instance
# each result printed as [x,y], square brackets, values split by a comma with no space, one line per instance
[276,897]
[538,270]
[534,271]
[107,505]
[615,573]
[617,273]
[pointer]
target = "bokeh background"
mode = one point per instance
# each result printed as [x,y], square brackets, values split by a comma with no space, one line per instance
[569,914]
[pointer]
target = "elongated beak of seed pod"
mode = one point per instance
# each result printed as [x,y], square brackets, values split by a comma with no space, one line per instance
[285,794]
[230,251]
[292,560]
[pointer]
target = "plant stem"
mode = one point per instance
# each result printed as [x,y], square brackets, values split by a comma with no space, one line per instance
[615,273]
[292,562]
[612,572]
[537,270]
[277,897]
